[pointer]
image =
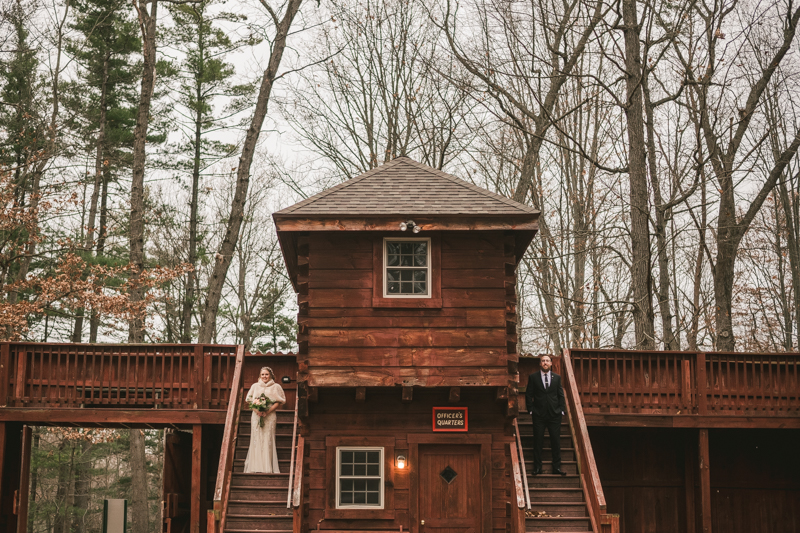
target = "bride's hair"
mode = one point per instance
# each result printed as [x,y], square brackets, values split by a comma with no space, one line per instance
[268,369]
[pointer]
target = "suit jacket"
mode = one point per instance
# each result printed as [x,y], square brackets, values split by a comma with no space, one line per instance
[545,403]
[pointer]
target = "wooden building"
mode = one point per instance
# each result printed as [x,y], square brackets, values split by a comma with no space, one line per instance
[408,363]
[403,402]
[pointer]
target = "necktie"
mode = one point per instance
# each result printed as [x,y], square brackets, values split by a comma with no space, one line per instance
[546,381]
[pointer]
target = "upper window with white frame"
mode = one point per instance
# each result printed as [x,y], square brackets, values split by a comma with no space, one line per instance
[359,479]
[407,268]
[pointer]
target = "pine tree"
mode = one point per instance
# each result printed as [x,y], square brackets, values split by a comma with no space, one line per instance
[103,102]
[204,77]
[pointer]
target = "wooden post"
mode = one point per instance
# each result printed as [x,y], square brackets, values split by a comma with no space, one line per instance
[702,400]
[197,379]
[10,452]
[24,481]
[5,372]
[197,470]
[689,484]
[705,482]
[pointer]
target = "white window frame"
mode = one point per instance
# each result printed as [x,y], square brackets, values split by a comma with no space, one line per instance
[386,267]
[339,449]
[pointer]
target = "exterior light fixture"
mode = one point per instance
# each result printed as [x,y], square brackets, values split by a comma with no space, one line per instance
[401,462]
[286,379]
[410,224]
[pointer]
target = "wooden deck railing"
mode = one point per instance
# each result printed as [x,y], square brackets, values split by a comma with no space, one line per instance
[296,487]
[169,376]
[743,384]
[518,511]
[216,516]
[602,522]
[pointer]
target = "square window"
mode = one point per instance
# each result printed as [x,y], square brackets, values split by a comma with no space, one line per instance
[407,268]
[360,477]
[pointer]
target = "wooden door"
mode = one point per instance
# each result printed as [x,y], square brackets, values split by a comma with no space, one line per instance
[450,488]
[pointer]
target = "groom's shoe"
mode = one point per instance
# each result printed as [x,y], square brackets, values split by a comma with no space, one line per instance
[559,472]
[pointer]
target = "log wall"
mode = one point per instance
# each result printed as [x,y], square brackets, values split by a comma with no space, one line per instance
[383,419]
[349,338]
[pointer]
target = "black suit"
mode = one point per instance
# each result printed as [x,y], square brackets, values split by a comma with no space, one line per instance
[546,407]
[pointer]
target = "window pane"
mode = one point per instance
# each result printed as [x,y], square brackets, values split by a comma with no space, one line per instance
[374,457]
[359,457]
[406,260]
[406,248]
[347,457]
[420,260]
[373,470]
[347,470]
[419,288]
[393,275]
[393,248]
[373,498]
[393,288]
[393,260]
[346,497]
[359,485]
[421,248]
[373,485]
[405,288]
[346,485]
[360,470]
[420,275]
[359,497]
[406,275]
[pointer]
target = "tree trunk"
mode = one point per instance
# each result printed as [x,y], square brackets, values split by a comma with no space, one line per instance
[188,297]
[82,484]
[139,516]
[665,308]
[225,255]
[147,23]
[643,315]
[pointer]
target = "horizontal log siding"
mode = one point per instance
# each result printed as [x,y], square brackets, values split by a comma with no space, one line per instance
[383,414]
[344,332]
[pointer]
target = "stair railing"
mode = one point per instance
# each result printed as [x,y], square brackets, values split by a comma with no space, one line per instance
[522,465]
[217,515]
[602,522]
[291,459]
[297,487]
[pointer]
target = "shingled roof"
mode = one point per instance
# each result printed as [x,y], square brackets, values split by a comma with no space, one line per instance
[406,186]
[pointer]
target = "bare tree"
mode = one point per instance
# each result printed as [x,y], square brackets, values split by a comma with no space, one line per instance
[225,254]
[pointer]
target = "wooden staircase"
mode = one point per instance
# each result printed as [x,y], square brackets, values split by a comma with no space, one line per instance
[257,502]
[557,502]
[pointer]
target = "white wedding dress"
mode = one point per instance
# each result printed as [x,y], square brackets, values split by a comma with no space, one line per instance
[262,456]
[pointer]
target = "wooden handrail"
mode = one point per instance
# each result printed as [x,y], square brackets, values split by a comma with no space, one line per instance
[522,463]
[297,485]
[216,517]
[291,459]
[518,513]
[602,522]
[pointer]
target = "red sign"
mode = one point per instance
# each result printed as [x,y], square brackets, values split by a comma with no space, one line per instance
[450,419]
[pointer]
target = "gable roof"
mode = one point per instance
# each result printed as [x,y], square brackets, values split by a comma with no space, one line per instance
[408,187]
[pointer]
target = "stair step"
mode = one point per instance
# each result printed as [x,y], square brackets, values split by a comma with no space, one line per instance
[558,524]
[268,523]
[240,479]
[553,480]
[238,530]
[562,509]
[570,467]
[555,494]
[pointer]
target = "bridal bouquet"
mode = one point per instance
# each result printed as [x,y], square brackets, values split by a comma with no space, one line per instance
[261,404]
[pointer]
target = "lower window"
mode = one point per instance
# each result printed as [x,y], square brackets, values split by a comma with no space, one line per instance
[359,477]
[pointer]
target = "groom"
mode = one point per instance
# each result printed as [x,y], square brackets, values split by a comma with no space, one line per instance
[544,400]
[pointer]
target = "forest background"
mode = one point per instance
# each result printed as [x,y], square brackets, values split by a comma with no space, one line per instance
[145,144]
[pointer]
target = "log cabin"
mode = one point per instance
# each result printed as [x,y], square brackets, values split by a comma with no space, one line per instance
[407,365]
[403,403]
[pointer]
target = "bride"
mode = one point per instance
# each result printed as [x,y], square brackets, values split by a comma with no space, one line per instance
[262,456]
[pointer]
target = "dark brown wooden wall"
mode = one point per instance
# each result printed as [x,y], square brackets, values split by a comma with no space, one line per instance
[471,329]
[382,414]
[649,478]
